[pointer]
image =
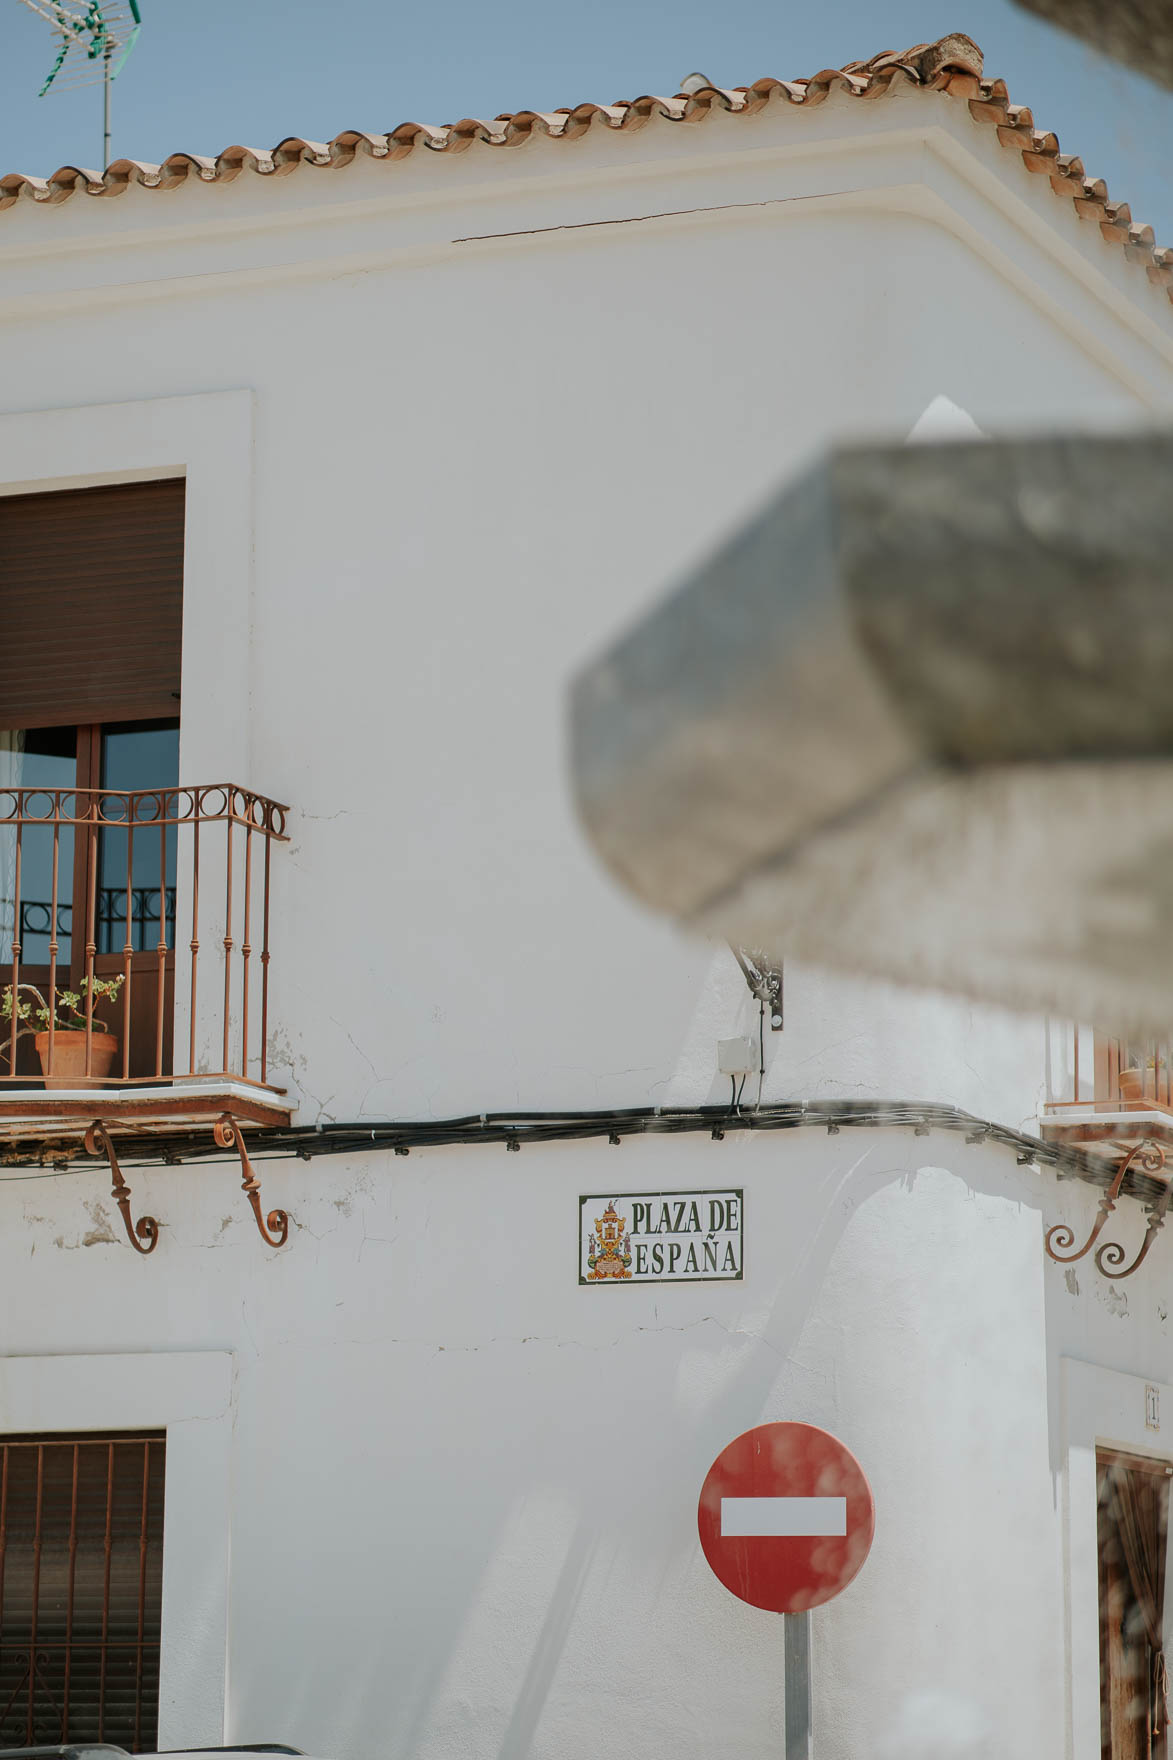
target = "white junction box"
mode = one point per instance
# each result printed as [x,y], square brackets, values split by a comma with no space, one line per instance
[737,1057]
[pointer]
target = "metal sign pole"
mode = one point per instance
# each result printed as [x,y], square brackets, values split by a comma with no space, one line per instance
[786,1518]
[797,1630]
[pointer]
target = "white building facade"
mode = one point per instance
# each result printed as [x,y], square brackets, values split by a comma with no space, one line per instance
[448,409]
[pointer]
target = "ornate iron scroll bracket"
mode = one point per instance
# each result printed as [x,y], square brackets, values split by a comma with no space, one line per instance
[146,1229]
[1150,1157]
[273,1229]
[1111,1254]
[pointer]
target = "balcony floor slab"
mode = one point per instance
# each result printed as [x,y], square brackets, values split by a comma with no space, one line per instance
[66,1113]
[1110,1132]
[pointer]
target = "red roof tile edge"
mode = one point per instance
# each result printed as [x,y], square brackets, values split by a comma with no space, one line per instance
[952,65]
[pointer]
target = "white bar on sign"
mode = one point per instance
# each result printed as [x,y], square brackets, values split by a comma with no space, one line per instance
[788,1518]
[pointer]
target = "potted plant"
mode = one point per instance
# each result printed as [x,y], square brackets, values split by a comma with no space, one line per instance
[1140,1080]
[33,1016]
[1130,1082]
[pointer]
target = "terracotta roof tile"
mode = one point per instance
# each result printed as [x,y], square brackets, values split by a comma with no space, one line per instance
[952,65]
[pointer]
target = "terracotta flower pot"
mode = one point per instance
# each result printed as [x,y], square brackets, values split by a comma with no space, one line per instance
[1132,1083]
[69,1057]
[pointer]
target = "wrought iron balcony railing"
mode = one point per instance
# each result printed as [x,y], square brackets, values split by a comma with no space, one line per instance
[132,927]
[1088,1069]
[37,913]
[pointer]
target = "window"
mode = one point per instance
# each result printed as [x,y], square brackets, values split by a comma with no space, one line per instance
[81,1571]
[1132,1520]
[136,878]
[91,606]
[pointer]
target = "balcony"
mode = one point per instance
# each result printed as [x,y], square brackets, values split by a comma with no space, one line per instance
[135,938]
[1106,1093]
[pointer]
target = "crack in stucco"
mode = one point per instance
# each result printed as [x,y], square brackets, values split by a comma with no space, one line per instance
[356,1046]
[825,1051]
[377,1239]
[244,1321]
[319,1103]
[283,1055]
[559,1343]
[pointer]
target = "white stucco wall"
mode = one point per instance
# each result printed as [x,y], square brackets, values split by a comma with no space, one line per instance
[463,1488]
[427,478]
[472,462]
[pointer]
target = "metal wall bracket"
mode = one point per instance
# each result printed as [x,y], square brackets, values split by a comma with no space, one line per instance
[1150,1158]
[1111,1254]
[98,1142]
[764,977]
[227,1134]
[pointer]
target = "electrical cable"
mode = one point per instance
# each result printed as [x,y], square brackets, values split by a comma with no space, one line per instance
[14,1179]
[191,1147]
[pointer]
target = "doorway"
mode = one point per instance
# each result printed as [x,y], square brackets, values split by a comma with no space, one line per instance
[1132,1531]
[91,603]
[120,883]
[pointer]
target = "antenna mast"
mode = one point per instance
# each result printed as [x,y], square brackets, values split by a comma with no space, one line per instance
[94,39]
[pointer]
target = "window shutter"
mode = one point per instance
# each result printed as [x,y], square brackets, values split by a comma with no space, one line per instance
[91,604]
[81,1575]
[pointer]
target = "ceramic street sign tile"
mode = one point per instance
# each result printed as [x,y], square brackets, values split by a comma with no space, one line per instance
[660,1237]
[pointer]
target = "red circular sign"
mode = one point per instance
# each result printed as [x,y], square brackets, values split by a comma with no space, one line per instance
[786,1517]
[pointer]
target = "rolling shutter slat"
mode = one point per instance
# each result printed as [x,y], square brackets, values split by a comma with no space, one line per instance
[92,1680]
[91,604]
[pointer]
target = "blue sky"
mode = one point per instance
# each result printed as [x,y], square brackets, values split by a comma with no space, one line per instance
[208,75]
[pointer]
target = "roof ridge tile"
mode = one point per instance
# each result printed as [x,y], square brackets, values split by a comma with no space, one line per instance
[952,66]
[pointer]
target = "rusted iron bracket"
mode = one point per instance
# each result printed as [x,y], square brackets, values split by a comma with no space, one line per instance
[146,1229]
[764,977]
[1111,1254]
[273,1229]
[1150,1158]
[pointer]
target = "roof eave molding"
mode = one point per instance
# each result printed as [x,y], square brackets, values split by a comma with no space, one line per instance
[952,65]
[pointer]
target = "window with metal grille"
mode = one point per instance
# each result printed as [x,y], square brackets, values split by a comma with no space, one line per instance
[81,1576]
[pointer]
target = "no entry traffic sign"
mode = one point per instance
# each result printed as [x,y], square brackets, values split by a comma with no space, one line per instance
[786,1517]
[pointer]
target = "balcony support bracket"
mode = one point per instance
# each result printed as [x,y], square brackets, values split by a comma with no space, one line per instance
[273,1229]
[1150,1158]
[1111,1254]
[143,1235]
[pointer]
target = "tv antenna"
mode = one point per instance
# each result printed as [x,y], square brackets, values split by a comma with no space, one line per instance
[95,38]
